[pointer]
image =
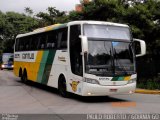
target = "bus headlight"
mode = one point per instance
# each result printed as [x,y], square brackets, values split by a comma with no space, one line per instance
[92,81]
[12,66]
[132,80]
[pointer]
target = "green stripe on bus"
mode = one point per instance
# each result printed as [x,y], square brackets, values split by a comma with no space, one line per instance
[42,66]
[48,66]
[118,79]
[114,78]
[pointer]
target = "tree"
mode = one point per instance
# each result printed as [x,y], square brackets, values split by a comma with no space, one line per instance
[143,16]
[12,25]
[28,10]
[2,24]
[52,17]
[103,10]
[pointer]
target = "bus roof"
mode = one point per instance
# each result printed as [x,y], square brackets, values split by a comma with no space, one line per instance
[97,22]
[41,30]
[57,26]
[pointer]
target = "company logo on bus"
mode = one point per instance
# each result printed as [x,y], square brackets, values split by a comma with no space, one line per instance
[28,56]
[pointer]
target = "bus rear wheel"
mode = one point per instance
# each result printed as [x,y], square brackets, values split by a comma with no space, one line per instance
[62,87]
[24,77]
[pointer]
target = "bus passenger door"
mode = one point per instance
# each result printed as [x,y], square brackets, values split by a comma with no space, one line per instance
[76,65]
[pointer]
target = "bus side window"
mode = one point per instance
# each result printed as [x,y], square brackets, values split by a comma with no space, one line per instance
[17,44]
[27,43]
[62,38]
[34,42]
[42,41]
[75,50]
[21,44]
[51,39]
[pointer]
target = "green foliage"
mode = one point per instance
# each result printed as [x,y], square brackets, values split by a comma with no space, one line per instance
[143,18]
[150,84]
[28,10]
[12,24]
[2,24]
[53,16]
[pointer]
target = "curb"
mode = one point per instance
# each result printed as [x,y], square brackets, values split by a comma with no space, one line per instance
[144,91]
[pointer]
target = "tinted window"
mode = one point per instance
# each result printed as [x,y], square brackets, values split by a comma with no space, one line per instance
[47,40]
[21,44]
[62,38]
[42,41]
[17,45]
[52,39]
[27,41]
[34,42]
[75,50]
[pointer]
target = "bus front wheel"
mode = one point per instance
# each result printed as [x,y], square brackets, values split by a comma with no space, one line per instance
[62,87]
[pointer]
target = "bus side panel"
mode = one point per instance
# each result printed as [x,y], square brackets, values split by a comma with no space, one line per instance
[16,68]
[32,67]
[59,66]
[39,68]
[45,66]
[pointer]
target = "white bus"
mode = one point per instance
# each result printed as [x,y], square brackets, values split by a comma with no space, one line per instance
[88,58]
[6,61]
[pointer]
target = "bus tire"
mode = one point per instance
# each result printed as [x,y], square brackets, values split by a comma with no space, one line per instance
[62,87]
[24,76]
[20,72]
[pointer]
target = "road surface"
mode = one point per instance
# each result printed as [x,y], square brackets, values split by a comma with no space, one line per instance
[18,98]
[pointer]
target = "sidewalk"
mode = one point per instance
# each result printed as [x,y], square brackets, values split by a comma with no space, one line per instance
[145,91]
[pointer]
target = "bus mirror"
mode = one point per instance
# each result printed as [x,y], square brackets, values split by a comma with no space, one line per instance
[141,45]
[84,42]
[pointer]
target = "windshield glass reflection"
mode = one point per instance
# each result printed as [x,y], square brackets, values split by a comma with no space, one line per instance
[109,58]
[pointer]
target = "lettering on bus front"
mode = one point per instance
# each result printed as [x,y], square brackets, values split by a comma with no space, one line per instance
[28,56]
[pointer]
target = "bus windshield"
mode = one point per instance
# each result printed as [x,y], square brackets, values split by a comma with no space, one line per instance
[107,32]
[108,56]
[7,57]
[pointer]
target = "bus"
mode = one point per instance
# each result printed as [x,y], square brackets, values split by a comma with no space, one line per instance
[87,58]
[6,61]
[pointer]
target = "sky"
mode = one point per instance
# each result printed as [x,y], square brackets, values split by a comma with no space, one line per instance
[37,5]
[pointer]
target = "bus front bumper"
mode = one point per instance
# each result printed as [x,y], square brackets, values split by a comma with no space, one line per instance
[99,90]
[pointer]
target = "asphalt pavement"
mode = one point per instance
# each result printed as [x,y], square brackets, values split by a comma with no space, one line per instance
[32,98]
